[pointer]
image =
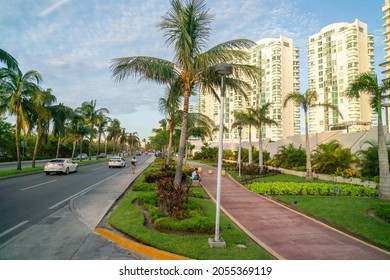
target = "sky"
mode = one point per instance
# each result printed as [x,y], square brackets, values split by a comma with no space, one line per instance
[72,43]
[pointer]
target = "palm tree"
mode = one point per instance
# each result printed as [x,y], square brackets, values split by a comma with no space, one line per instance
[41,116]
[133,140]
[102,121]
[307,101]
[90,113]
[60,114]
[260,119]
[169,107]
[8,59]
[77,130]
[243,119]
[187,28]
[114,132]
[16,91]
[368,83]
[328,157]
[290,157]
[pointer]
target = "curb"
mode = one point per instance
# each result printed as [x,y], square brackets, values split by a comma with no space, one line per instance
[140,248]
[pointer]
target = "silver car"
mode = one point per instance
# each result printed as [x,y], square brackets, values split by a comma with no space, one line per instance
[61,165]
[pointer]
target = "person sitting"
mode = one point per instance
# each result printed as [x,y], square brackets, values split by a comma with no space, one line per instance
[195,175]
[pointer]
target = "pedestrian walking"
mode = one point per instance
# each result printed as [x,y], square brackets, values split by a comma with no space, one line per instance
[133,164]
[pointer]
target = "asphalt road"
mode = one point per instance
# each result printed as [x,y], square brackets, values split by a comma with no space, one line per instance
[26,200]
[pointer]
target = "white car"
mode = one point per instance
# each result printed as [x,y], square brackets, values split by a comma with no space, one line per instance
[117,162]
[61,165]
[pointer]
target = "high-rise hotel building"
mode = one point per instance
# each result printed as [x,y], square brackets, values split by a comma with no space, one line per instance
[336,55]
[386,26]
[279,62]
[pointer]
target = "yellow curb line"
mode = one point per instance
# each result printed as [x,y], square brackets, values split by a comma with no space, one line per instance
[140,248]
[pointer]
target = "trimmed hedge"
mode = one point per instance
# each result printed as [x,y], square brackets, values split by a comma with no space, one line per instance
[310,188]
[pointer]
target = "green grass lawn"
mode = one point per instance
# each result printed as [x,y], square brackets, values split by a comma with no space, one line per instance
[129,219]
[350,214]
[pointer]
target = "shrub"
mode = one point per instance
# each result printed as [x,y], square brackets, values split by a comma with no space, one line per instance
[251,169]
[307,188]
[383,212]
[171,197]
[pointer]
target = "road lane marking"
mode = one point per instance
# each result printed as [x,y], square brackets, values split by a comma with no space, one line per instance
[85,190]
[13,228]
[38,185]
[97,168]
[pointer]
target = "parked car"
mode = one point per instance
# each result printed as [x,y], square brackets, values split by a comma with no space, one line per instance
[102,155]
[82,156]
[117,161]
[138,153]
[61,165]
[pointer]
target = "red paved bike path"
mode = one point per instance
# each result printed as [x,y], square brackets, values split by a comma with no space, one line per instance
[283,232]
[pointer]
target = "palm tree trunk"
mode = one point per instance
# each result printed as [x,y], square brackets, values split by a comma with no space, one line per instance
[74,148]
[309,174]
[183,138]
[36,149]
[169,146]
[250,146]
[260,152]
[17,140]
[384,174]
[58,146]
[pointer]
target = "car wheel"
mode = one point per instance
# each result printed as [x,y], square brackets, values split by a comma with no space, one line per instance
[47,173]
[76,170]
[67,171]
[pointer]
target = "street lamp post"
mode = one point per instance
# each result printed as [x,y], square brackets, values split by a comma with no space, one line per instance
[222,69]
[239,150]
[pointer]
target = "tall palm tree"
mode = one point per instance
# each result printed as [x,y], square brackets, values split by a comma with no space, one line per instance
[367,83]
[8,59]
[41,116]
[114,132]
[187,28]
[90,113]
[16,91]
[260,117]
[308,100]
[245,119]
[60,114]
[169,107]
[102,121]
[77,130]
[133,139]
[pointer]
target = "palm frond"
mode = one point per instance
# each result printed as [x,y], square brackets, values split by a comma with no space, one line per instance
[148,68]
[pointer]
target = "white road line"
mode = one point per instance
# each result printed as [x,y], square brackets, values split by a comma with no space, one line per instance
[38,185]
[84,191]
[13,228]
[97,168]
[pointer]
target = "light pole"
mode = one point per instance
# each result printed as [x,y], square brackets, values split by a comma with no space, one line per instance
[222,69]
[239,150]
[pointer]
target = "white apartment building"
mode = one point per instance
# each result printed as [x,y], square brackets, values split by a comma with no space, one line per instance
[386,26]
[386,63]
[336,55]
[279,61]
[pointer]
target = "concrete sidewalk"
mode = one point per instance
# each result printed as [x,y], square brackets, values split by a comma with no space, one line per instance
[69,233]
[283,232]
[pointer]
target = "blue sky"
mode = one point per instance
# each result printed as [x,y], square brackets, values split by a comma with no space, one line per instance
[72,42]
